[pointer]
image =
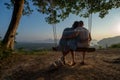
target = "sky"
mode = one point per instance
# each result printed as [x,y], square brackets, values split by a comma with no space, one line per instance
[33,28]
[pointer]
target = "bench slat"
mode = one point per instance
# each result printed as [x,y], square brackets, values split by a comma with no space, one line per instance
[78,49]
[85,49]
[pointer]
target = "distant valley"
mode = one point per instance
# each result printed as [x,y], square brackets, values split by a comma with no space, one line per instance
[49,43]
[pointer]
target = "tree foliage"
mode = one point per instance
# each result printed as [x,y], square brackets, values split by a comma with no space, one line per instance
[58,10]
[26,11]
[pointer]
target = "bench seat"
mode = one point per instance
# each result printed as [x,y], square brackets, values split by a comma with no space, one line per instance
[78,49]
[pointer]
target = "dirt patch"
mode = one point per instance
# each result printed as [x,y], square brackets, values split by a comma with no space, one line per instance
[100,65]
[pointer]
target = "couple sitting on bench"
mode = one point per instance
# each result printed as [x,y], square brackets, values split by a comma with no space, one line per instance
[72,38]
[76,38]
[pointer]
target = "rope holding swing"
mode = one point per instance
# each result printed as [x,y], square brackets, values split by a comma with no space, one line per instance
[90,22]
[53,25]
[54,35]
[90,28]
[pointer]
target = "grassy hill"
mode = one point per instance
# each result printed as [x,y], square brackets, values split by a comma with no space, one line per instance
[115,45]
[106,42]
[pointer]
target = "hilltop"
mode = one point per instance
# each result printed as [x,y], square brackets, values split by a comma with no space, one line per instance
[109,41]
[99,65]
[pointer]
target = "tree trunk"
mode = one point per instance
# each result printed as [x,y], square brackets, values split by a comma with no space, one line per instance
[9,38]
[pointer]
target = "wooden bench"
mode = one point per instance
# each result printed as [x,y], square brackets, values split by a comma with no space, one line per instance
[78,49]
[85,49]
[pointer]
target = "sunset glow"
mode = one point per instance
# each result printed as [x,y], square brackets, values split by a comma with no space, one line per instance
[118,28]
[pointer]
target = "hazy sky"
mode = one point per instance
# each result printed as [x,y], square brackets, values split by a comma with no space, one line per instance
[34,28]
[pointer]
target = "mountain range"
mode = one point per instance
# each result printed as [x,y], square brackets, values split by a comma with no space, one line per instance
[106,42]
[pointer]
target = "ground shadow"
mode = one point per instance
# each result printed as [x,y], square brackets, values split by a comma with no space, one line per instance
[42,74]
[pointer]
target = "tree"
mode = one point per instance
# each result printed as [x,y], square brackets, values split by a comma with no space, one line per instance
[18,8]
[60,9]
[56,10]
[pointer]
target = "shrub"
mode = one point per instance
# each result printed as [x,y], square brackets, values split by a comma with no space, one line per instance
[115,45]
[4,53]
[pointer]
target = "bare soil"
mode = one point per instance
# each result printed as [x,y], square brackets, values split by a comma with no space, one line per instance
[99,65]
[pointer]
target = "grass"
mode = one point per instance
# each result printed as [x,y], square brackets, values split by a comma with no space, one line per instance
[33,52]
[4,53]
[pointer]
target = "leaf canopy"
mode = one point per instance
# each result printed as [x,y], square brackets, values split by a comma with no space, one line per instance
[57,10]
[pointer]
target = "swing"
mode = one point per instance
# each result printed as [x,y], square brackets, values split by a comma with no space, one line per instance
[54,66]
[89,49]
[55,48]
[83,49]
[53,25]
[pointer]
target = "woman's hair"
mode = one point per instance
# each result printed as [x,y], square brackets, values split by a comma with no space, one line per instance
[75,24]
